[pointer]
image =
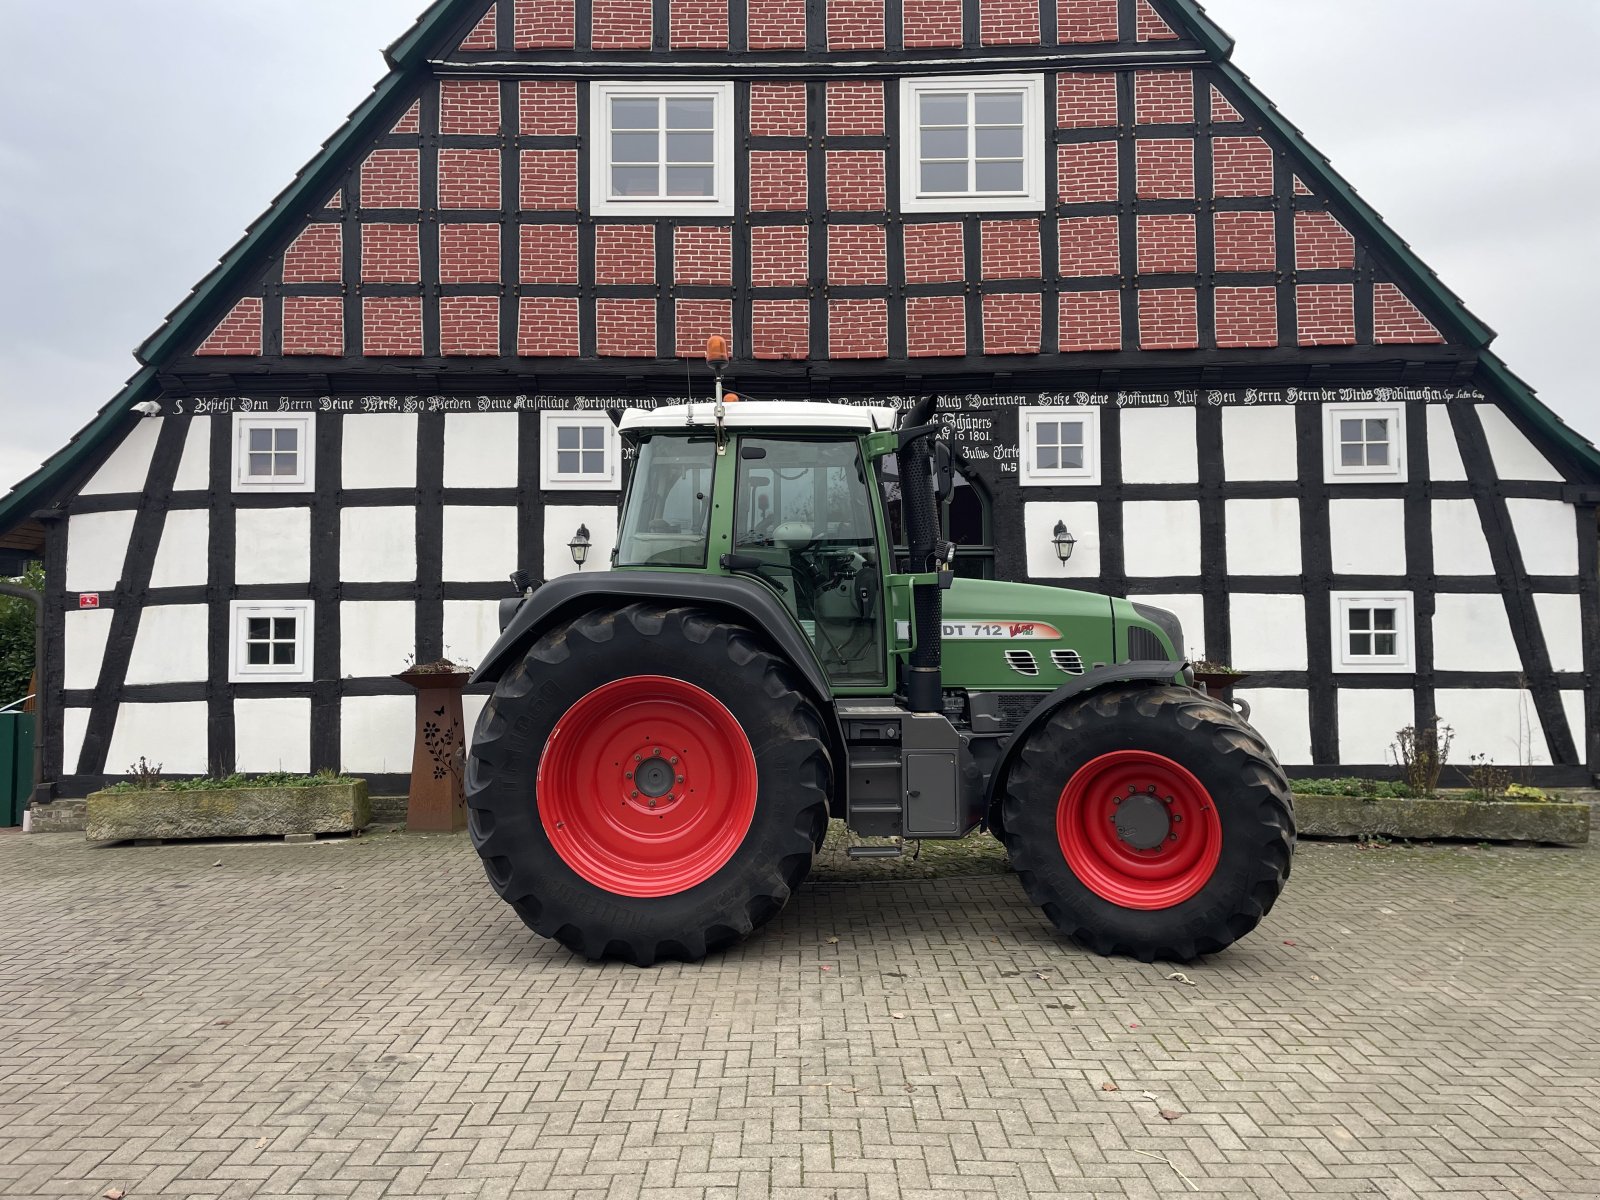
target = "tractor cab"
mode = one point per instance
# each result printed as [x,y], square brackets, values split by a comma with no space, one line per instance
[780,492]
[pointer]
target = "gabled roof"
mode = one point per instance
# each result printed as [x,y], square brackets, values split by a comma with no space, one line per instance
[408,59]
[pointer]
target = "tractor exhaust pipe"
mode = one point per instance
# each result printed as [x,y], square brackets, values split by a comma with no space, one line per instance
[924,682]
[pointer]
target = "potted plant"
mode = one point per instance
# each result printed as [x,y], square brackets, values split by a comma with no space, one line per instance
[437,801]
[1217,678]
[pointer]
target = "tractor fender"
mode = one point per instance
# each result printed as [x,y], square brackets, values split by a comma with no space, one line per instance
[749,602]
[1089,682]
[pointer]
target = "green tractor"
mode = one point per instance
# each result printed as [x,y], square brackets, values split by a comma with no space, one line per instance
[667,740]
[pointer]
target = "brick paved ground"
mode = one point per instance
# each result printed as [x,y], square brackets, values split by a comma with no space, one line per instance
[364,1018]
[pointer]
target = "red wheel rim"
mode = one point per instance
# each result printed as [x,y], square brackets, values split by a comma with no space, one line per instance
[647,786]
[1139,830]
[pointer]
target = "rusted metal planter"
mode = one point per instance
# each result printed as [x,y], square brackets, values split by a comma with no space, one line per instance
[437,802]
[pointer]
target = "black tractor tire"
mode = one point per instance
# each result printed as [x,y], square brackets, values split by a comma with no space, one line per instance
[1238,774]
[572,660]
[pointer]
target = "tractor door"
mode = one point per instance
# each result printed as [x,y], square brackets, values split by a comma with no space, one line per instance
[802,508]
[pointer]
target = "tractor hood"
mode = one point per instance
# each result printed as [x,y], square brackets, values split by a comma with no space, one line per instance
[1019,636]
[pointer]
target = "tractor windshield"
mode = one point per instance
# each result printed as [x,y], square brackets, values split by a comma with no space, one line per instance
[667,515]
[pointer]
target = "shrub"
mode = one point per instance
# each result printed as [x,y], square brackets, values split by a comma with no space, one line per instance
[1422,752]
[271,779]
[1485,781]
[16,638]
[1370,789]
[1521,791]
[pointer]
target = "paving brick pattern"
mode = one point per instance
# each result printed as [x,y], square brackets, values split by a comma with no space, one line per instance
[363,1018]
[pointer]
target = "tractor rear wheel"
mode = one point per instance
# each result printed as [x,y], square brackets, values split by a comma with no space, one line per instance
[648,783]
[1152,822]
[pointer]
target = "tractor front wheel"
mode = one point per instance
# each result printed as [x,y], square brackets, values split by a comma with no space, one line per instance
[648,783]
[1152,822]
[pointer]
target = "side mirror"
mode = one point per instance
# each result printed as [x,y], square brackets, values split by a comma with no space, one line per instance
[944,474]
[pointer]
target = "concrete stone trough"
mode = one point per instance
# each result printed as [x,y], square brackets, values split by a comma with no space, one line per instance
[236,812]
[1444,818]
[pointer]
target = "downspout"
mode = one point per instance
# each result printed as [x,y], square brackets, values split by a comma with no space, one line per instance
[37,600]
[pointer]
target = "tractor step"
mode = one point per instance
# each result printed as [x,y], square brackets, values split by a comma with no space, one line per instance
[875,851]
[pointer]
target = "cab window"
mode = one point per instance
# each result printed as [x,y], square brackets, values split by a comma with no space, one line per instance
[803,510]
[666,518]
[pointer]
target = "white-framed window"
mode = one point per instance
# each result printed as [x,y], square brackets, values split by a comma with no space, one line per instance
[1364,443]
[578,452]
[1374,632]
[661,149]
[273,453]
[973,144]
[1058,447]
[270,642]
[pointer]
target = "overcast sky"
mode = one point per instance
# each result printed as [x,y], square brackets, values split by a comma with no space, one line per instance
[139,139]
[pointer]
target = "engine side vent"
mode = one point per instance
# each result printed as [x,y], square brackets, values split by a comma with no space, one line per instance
[1145,645]
[1022,662]
[1069,661]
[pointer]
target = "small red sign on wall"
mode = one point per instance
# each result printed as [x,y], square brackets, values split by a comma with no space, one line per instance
[89,600]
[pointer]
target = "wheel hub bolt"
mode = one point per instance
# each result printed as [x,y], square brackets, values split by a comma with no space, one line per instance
[652,804]
[680,779]
[673,760]
[633,795]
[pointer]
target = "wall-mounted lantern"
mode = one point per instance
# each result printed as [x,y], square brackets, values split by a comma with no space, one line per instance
[579,545]
[1063,541]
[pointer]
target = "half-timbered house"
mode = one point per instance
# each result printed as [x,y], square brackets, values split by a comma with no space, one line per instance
[1157,316]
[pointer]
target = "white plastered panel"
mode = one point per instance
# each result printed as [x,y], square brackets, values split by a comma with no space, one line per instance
[376,637]
[272,734]
[74,724]
[1498,722]
[182,559]
[471,710]
[171,735]
[1515,457]
[1263,537]
[170,645]
[1158,445]
[378,544]
[1473,633]
[1082,519]
[1258,444]
[194,466]
[1547,534]
[480,450]
[97,545]
[1283,717]
[1368,536]
[272,545]
[1161,537]
[85,632]
[561,524]
[1572,704]
[1269,631]
[128,468]
[1369,720]
[480,544]
[375,734]
[471,628]
[1561,618]
[379,450]
[1459,544]
[1444,452]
